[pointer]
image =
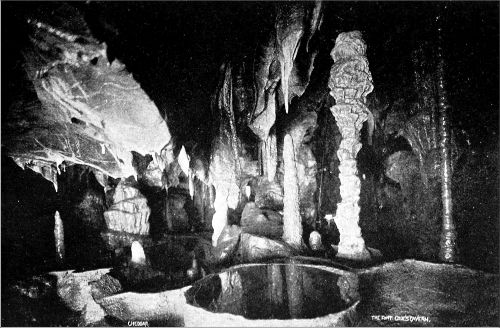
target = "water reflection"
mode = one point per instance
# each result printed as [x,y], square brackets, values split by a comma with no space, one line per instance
[270,291]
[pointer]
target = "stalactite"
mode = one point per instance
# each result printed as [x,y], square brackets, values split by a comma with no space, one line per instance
[350,83]
[292,222]
[228,105]
[59,238]
[46,169]
[225,167]
[81,118]
[289,31]
[448,246]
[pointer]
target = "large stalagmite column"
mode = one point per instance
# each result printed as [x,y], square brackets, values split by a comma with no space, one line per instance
[350,83]
[292,221]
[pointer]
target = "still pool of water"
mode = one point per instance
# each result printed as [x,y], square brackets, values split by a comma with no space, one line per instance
[271,291]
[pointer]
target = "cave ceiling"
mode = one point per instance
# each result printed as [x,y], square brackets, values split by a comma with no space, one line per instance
[143,76]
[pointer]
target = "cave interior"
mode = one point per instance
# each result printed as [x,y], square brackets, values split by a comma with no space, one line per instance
[169,141]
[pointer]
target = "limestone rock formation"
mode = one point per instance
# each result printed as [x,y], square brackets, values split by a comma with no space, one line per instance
[278,63]
[350,83]
[105,286]
[227,244]
[301,129]
[153,175]
[59,237]
[292,221]
[400,165]
[75,292]
[177,216]
[87,110]
[266,223]
[269,157]
[116,240]
[225,167]
[256,248]
[129,212]
[235,246]
[269,195]
[315,241]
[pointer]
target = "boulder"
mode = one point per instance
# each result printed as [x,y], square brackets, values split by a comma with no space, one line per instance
[75,291]
[105,286]
[266,223]
[255,249]
[236,247]
[129,212]
[227,245]
[269,195]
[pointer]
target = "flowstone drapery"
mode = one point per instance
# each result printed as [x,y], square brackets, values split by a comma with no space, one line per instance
[88,110]
[350,82]
[225,166]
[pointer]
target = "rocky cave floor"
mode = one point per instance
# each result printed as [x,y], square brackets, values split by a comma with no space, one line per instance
[392,293]
[398,293]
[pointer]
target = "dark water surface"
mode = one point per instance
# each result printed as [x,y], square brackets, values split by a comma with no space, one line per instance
[270,291]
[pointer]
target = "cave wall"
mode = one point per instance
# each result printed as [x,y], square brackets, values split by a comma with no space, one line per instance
[402,217]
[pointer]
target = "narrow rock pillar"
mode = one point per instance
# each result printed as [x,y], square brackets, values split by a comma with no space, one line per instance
[448,251]
[292,221]
[350,82]
[59,238]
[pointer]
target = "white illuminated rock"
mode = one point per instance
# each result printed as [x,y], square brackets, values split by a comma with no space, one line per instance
[315,241]
[292,222]
[138,255]
[59,237]
[350,83]
[129,212]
